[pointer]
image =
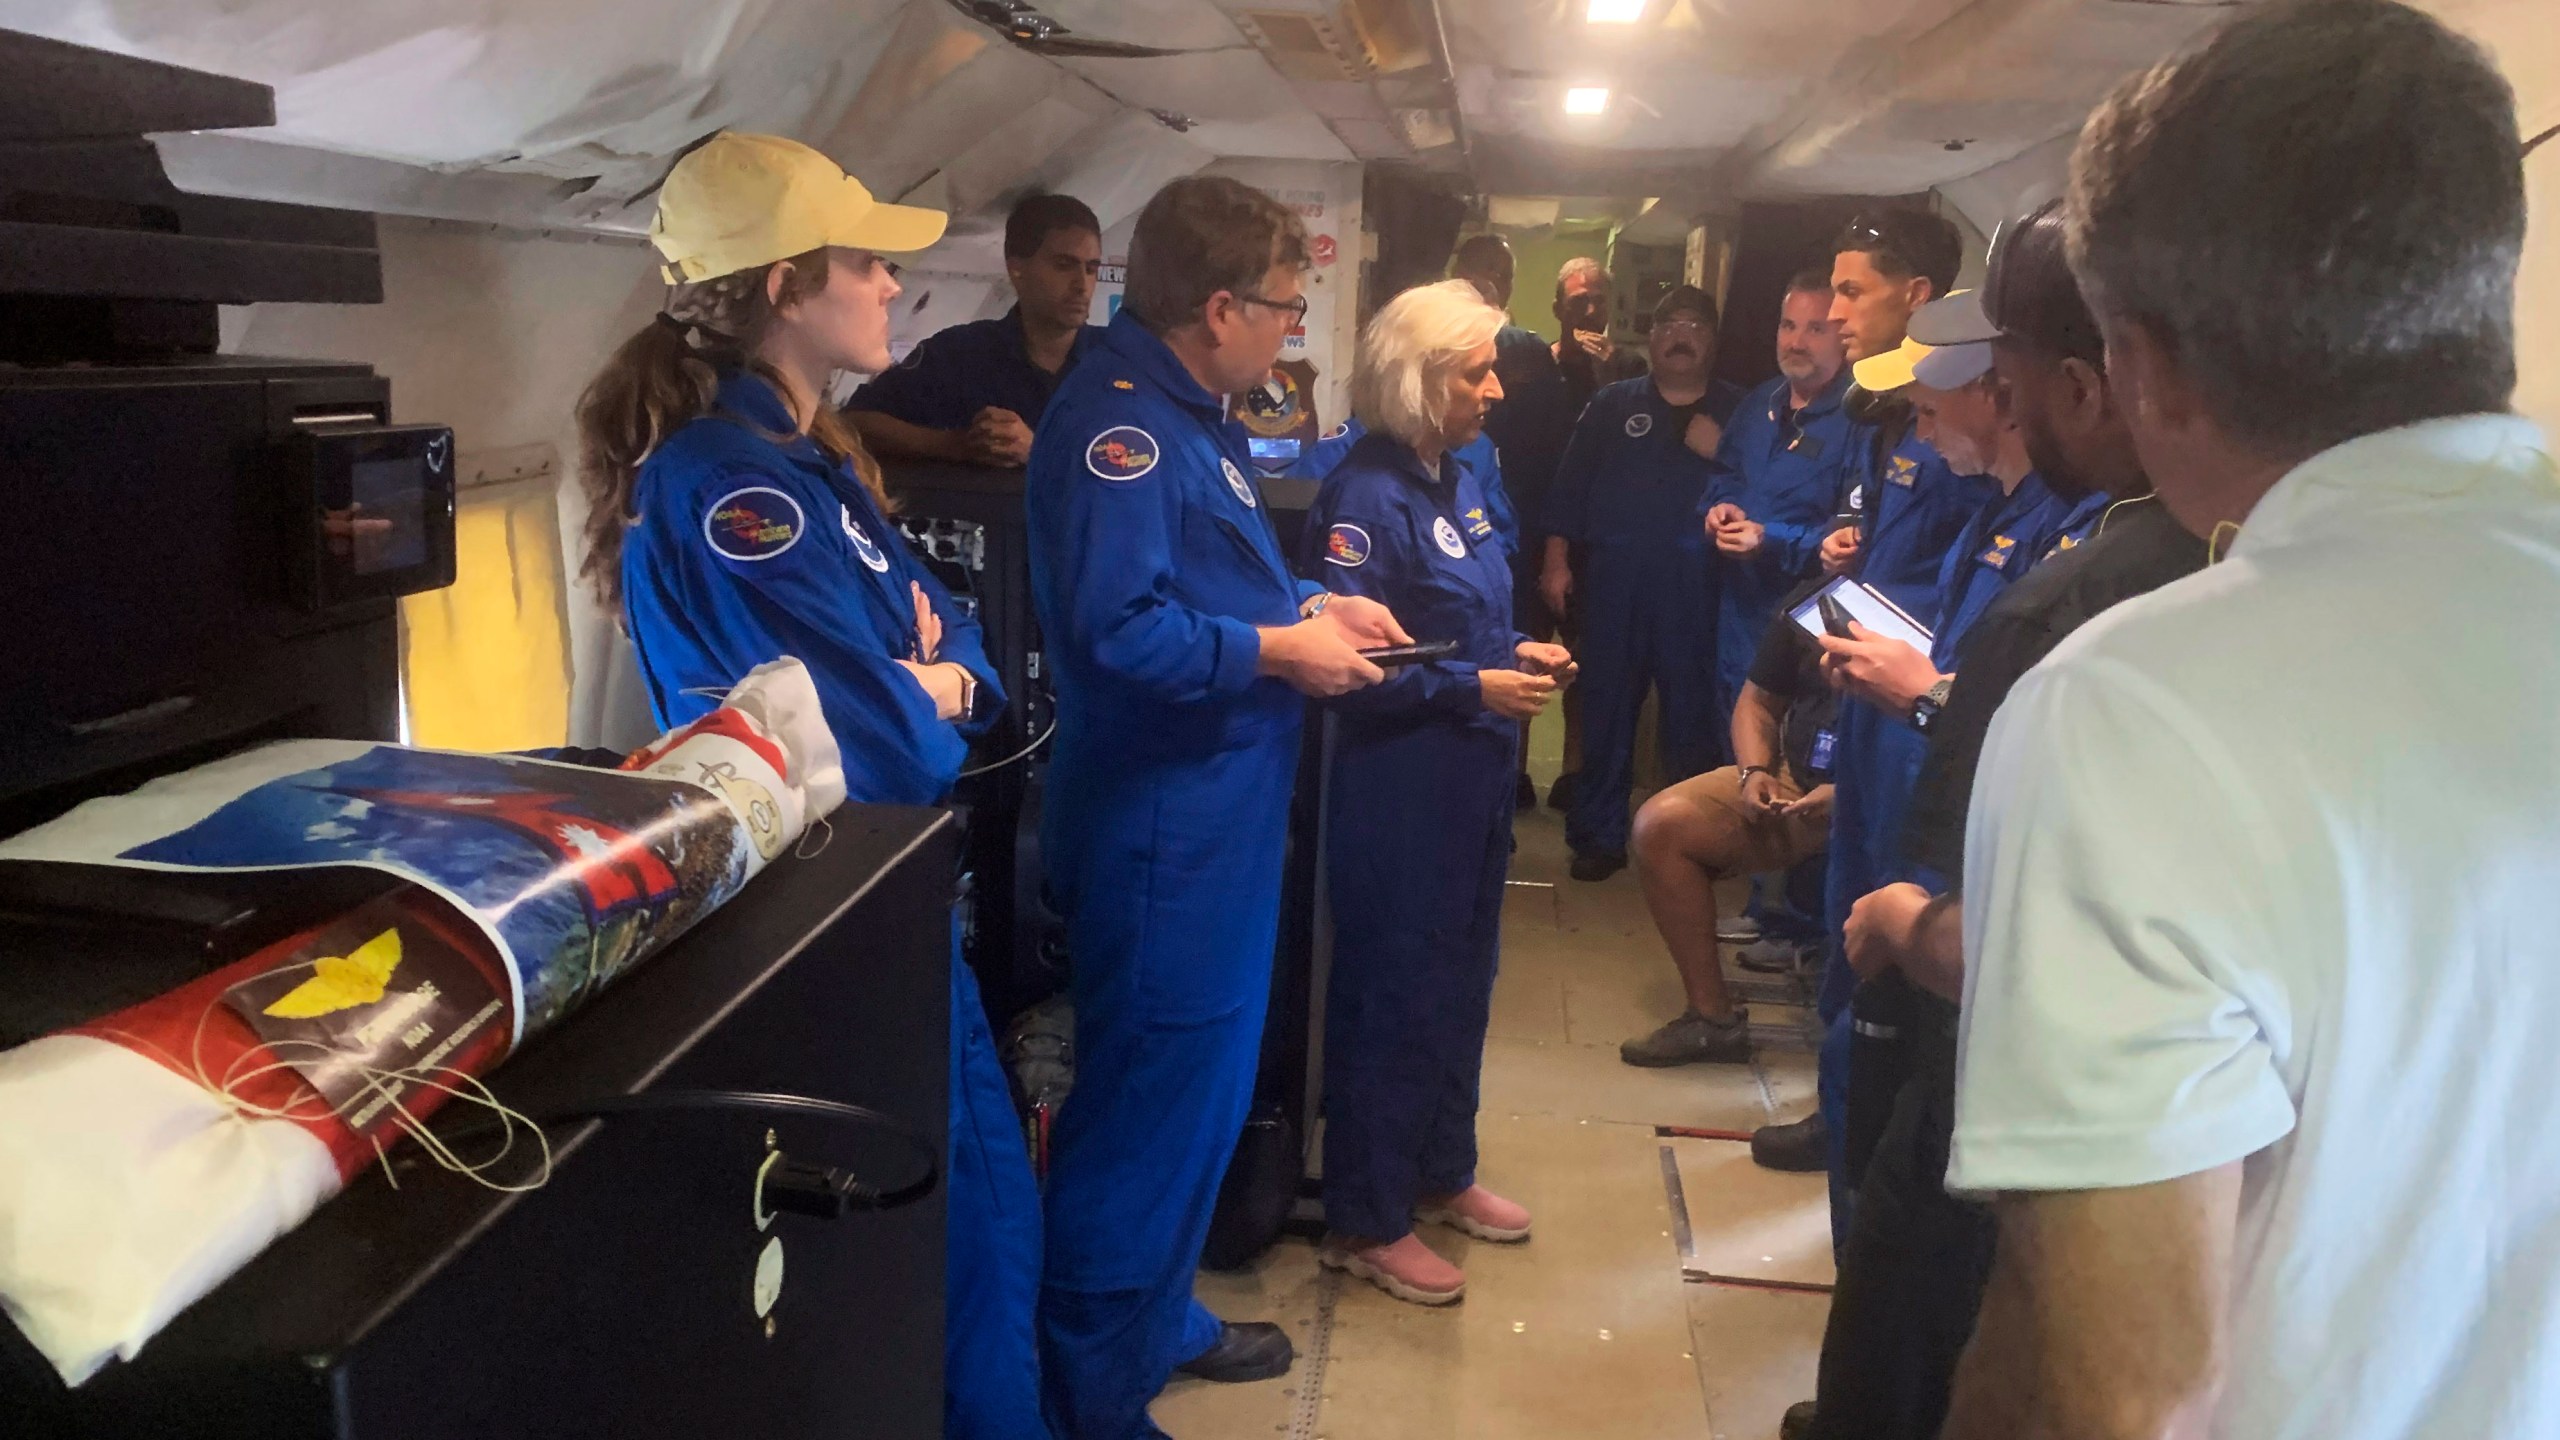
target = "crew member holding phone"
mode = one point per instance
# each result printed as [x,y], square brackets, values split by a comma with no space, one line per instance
[1182,646]
[1420,799]
[1770,811]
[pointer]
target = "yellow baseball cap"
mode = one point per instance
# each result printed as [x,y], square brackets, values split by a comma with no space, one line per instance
[1891,370]
[740,200]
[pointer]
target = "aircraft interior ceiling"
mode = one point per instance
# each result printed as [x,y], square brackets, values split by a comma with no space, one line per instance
[504,139]
[562,115]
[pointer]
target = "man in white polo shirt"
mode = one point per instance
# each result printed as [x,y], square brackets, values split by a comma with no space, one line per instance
[2262,1012]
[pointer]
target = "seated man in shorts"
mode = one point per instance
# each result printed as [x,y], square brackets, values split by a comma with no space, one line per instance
[1768,812]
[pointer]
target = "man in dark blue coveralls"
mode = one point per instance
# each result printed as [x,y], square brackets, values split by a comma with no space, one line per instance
[1183,649]
[974,393]
[1777,482]
[1624,549]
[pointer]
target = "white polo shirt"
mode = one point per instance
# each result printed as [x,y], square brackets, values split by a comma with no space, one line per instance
[2266,864]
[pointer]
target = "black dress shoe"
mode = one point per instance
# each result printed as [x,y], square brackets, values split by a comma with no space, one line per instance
[1797,1422]
[1526,797]
[1560,794]
[1801,1147]
[1253,1350]
[1597,865]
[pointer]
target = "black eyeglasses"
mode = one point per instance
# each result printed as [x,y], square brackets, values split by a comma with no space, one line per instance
[1297,308]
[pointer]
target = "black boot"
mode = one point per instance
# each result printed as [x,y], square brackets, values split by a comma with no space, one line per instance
[1251,1350]
[1801,1147]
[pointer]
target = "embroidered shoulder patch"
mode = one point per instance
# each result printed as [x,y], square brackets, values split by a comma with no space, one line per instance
[864,546]
[1639,425]
[1236,482]
[1445,535]
[1346,546]
[756,523]
[1123,452]
[1337,432]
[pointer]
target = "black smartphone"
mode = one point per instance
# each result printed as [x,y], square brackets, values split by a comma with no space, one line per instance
[1394,655]
[1834,619]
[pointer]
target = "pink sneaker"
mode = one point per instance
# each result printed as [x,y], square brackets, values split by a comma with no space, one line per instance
[1407,1269]
[1478,1212]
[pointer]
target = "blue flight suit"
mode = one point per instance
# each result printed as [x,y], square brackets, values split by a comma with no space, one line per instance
[955,373]
[1627,496]
[1479,455]
[1418,820]
[734,561]
[1784,467]
[1152,562]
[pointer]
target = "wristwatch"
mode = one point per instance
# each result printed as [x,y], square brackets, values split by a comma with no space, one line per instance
[1745,772]
[968,692]
[1924,711]
[1315,605]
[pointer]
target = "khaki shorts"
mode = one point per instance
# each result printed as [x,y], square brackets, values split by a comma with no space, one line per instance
[1750,843]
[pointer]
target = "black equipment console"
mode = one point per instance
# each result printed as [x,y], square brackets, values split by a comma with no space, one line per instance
[198,553]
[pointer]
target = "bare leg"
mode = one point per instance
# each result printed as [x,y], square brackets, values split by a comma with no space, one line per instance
[1677,850]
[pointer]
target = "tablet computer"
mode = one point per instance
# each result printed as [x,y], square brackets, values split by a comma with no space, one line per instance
[1879,615]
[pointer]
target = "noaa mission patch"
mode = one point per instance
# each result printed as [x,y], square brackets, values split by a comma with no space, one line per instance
[1235,482]
[1346,546]
[1123,452]
[1446,536]
[863,545]
[1639,425]
[756,523]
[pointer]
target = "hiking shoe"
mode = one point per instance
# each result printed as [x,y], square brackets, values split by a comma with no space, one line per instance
[1737,929]
[1770,957]
[1693,1039]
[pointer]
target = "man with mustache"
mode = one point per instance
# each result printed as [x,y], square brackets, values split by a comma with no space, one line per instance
[1625,553]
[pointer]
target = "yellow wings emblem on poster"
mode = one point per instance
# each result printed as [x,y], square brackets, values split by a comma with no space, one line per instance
[342,982]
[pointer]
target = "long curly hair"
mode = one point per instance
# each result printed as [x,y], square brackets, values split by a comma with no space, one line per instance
[667,376]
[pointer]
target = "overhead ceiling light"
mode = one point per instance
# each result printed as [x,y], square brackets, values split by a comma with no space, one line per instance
[1586,100]
[1616,12]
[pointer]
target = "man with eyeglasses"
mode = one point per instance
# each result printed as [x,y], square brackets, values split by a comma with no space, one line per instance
[1183,649]
[973,392]
[1626,556]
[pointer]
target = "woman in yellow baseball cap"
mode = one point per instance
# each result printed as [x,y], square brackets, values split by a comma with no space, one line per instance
[735,519]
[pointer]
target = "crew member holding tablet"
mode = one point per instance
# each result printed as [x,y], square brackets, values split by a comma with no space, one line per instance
[1420,801]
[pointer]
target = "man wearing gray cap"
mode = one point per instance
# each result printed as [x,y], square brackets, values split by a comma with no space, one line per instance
[1912,1272]
[2260,977]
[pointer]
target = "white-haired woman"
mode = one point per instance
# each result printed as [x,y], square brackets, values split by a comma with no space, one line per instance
[1421,798]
